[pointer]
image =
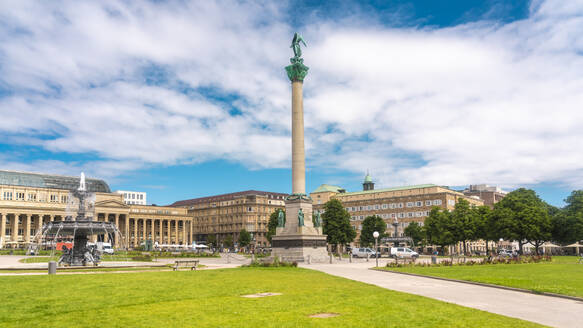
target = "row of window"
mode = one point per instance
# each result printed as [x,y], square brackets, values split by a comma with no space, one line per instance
[400,215]
[133,196]
[389,227]
[53,198]
[418,203]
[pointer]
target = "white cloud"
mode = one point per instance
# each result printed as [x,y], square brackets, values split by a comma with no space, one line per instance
[479,102]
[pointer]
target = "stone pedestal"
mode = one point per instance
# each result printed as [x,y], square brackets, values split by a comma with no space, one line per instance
[294,242]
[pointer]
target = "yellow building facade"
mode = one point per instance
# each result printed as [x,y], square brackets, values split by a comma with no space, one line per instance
[29,200]
[226,215]
[402,205]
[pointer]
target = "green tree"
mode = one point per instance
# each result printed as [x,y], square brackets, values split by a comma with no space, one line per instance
[228,241]
[211,240]
[369,225]
[485,226]
[524,217]
[567,223]
[463,223]
[416,232]
[244,238]
[336,224]
[438,228]
[272,225]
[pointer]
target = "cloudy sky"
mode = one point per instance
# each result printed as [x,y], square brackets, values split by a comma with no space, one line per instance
[189,98]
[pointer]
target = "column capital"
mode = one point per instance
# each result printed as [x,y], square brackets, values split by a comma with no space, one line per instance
[297,71]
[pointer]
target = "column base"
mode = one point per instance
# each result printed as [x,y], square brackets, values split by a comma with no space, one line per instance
[297,248]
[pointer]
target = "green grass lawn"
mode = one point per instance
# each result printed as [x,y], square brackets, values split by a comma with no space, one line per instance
[561,276]
[212,299]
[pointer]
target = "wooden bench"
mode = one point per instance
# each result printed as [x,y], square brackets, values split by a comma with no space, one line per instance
[185,263]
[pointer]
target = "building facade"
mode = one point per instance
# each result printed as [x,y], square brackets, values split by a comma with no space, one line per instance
[133,197]
[29,200]
[489,194]
[400,205]
[226,215]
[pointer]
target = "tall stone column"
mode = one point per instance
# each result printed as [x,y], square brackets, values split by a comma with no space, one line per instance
[176,239]
[117,236]
[135,241]
[298,237]
[144,228]
[14,232]
[152,230]
[27,228]
[169,232]
[106,235]
[127,230]
[161,235]
[2,230]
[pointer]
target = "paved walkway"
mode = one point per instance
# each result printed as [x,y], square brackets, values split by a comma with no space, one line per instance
[546,310]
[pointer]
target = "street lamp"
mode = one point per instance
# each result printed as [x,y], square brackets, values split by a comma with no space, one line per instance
[376,240]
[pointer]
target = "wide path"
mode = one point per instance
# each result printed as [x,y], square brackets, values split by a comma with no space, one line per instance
[546,310]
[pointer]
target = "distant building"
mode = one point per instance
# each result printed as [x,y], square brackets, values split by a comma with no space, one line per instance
[489,194]
[133,197]
[227,214]
[404,204]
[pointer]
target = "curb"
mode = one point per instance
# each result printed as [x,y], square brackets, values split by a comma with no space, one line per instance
[572,298]
[78,268]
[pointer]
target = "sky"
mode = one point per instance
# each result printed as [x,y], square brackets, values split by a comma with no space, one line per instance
[186,99]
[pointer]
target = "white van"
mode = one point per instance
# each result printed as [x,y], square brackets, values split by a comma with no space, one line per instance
[363,252]
[403,252]
[105,248]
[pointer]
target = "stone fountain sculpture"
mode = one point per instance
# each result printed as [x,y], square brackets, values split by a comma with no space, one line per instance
[79,226]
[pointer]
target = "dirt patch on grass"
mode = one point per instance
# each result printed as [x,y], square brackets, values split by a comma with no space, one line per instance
[260,295]
[324,315]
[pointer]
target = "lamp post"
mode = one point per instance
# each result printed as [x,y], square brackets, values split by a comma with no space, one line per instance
[376,240]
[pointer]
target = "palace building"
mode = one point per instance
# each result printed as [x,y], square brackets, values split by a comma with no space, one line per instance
[29,200]
[227,214]
[400,205]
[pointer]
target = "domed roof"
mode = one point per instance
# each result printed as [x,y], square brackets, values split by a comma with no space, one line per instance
[367,178]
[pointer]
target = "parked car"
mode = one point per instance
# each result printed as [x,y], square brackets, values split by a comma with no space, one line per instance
[403,252]
[505,253]
[363,252]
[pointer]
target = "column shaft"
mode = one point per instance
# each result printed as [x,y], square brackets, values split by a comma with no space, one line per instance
[169,231]
[106,236]
[161,235]
[27,228]
[14,232]
[176,232]
[2,229]
[135,243]
[127,230]
[144,226]
[298,151]
[152,230]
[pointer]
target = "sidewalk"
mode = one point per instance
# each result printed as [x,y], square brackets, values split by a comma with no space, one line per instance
[546,310]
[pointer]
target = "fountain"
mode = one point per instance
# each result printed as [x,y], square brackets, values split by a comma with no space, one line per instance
[78,225]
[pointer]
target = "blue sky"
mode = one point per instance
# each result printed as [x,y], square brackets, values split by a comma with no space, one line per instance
[186,99]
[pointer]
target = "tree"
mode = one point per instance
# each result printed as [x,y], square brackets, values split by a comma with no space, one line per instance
[416,232]
[272,225]
[463,223]
[228,241]
[485,227]
[244,238]
[524,217]
[211,240]
[567,223]
[336,224]
[369,225]
[438,227]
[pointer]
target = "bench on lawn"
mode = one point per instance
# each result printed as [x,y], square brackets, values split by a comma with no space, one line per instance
[185,263]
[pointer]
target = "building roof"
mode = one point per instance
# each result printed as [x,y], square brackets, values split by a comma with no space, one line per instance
[367,178]
[38,180]
[224,197]
[327,188]
[389,189]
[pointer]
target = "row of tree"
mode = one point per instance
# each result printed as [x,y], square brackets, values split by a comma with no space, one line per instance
[520,216]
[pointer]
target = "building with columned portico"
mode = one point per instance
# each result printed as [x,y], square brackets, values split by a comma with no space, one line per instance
[29,200]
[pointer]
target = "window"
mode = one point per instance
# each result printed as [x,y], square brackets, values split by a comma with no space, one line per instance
[410,214]
[64,199]
[376,207]
[409,204]
[385,206]
[427,203]
[401,215]
[437,202]
[19,196]
[419,203]
[133,196]
[249,209]
[400,205]
[360,227]
[451,202]
[54,198]
[393,215]
[31,197]
[7,195]
[369,207]
[419,214]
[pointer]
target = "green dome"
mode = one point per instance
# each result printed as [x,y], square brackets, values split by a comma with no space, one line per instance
[367,178]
